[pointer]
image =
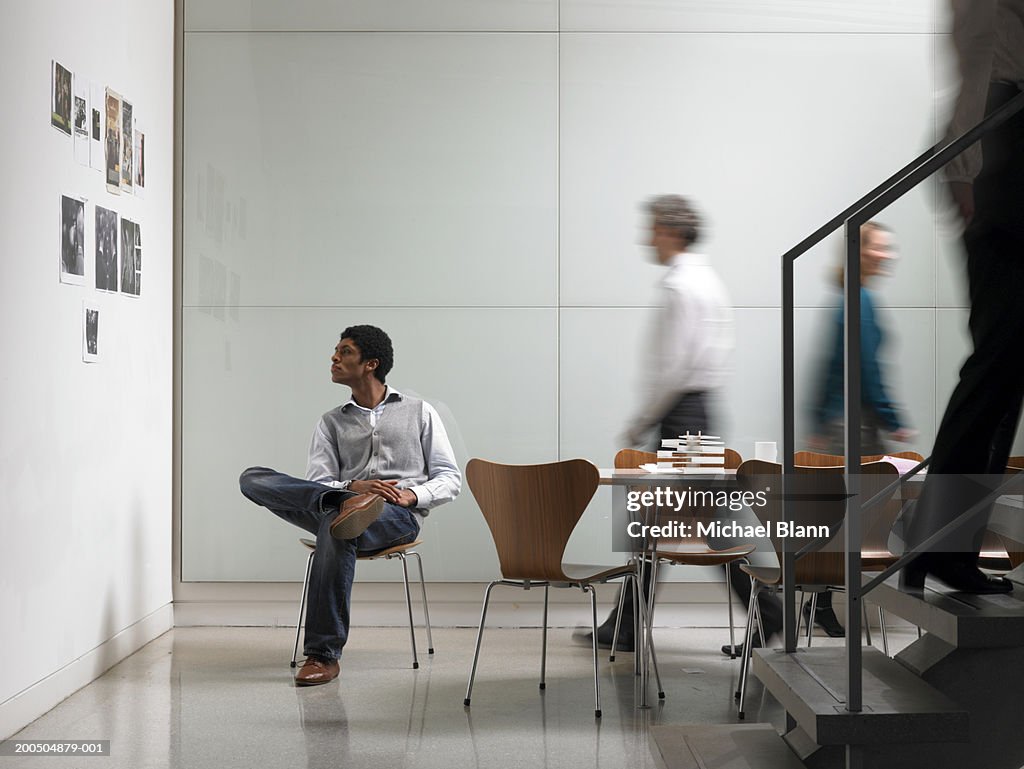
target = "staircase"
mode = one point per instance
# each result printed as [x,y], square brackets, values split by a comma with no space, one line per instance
[950,699]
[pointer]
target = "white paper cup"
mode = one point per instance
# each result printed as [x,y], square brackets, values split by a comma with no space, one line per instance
[767,451]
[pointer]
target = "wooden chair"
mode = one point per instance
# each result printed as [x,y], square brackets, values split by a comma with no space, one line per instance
[399,551]
[531,511]
[688,552]
[875,553]
[817,568]
[814,459]
[997,551]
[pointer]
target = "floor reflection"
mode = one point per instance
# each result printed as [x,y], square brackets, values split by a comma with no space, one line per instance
[223,697]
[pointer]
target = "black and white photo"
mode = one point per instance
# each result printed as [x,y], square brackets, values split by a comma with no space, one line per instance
[90,332]
[131,257]
[96,107]
[60,98]
[140,162]
[80,116]
[127,142]
[72,240]
[112,104]
[106,249]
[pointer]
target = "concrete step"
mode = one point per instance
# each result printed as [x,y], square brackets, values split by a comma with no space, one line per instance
[962,620]
[736,746]
[898,707]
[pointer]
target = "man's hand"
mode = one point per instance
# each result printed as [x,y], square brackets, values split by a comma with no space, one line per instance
[388,490]
[963,198]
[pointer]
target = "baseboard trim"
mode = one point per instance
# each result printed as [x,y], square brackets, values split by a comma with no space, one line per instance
[26,706]
[455,605]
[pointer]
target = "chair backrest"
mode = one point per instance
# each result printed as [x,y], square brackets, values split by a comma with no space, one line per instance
[628,459]
[732,459]
[827,484]
[814,459]
[531,511]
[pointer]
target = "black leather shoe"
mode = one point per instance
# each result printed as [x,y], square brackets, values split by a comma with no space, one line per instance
[965,578]
[826,619]
[604,639]
[605,634]
[755,642]
[957,574]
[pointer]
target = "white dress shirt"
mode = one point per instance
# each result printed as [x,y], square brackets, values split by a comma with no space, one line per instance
[690,344]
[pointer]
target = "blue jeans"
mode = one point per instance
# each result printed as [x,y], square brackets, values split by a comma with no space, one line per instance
[313,507]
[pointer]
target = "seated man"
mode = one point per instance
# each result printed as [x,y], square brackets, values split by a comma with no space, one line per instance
[377,465]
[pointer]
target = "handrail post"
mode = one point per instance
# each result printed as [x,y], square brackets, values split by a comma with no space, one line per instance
[788,447]
[852,392]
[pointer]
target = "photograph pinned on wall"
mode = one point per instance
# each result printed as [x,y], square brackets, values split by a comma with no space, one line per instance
[80,114]
[140,162]
[112,107]
[106,249]
[90,332]
[127,141]
[60,98]
[96,126]
[131,257]
[72,241]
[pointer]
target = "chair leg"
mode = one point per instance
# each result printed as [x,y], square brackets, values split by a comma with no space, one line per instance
[885,635]
[637,640]
[479,637]
[867,624]
[618,617]
[426,611]
[597,683]
[728,601]
[810,619]
[800,613]
[544,641]
[760,624]
[654,656]
[302,608]
[408,608]
[748,639]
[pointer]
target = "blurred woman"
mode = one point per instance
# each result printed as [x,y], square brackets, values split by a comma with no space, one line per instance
[878,412]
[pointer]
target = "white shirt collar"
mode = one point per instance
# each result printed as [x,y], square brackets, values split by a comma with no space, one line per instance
[390,394]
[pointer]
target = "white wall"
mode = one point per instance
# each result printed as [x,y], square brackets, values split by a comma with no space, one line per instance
[470,179]
[85,449]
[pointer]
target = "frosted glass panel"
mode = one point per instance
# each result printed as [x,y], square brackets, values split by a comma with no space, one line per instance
[376,170]
[254,388]
[470,175]
[767,145]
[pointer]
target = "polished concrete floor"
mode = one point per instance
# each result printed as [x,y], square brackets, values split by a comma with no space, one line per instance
[223,697]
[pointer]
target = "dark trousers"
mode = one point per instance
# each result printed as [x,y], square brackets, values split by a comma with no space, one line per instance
[977,430]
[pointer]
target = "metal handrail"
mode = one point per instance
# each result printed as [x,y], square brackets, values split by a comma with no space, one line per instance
[853,217]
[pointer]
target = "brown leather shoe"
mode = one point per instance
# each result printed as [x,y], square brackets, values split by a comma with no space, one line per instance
[356,514]
[316,671]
